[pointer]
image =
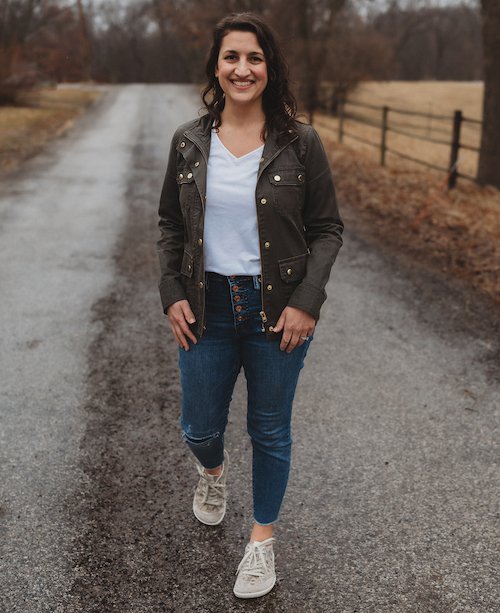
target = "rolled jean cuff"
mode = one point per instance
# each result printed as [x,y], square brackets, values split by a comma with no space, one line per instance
[269,523]
[209,451]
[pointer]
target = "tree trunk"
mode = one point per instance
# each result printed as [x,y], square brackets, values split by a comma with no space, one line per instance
[489,156]
[85,42]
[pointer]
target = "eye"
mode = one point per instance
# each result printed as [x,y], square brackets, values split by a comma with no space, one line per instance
[230,56]
[256,59]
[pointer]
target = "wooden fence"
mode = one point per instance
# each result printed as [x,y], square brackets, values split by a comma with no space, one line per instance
[453,123]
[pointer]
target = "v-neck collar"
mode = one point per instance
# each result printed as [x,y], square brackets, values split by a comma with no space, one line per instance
[234,157]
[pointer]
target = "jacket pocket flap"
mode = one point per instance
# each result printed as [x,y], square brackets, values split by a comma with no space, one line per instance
[293,269]
[287,177]
[187,264]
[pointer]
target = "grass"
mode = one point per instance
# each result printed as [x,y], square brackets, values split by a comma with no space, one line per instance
[431,97]
[408,207]
[40,116]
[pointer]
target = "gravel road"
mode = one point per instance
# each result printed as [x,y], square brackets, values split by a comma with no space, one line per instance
[393,501]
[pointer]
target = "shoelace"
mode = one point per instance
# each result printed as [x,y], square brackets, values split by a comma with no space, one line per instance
[254,561]
[213,490]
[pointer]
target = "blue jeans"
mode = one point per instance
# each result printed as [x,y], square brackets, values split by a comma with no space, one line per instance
[234,338]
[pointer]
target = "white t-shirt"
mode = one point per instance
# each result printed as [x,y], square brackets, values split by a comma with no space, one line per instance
[231,237]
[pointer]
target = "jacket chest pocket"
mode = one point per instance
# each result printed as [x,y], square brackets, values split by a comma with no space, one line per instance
[187,187]
[288,187]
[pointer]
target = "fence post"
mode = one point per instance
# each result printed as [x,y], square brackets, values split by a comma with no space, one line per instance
[455,146]
[385,113]
[341,120]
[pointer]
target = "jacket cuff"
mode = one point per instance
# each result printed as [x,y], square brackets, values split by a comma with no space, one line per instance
[308,298]
[171,291]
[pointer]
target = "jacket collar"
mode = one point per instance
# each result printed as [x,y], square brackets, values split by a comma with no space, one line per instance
[199,134]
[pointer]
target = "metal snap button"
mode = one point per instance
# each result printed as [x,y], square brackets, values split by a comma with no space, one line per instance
[271,329]
[200,241]
[201,285]
[267,244]
[183,144]
[263,201]
[196,164]
[289,272]
[181,176]
[269,287]
[277,178]
[300,177]
[190,175]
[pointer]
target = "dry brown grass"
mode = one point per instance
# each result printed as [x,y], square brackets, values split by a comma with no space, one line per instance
[44,114]
[457,231]
[438,98]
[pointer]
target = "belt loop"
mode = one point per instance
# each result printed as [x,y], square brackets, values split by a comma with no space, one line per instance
[256,282]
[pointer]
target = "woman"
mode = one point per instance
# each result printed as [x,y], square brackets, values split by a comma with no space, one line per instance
[249,232]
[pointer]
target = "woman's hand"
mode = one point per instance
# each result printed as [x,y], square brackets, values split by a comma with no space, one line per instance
[180,316]
[296,325]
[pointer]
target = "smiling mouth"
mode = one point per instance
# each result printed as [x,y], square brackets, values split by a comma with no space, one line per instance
[242,83]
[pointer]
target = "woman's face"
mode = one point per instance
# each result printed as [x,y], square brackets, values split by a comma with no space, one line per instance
[241,68]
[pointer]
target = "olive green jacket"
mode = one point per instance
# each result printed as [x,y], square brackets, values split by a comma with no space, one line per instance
[299,225]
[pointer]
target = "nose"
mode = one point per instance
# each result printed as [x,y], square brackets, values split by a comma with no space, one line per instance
[241,68]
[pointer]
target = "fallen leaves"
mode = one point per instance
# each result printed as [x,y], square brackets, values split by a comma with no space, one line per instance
[457,231]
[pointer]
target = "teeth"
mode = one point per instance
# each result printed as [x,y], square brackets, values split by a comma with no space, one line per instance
[242,83]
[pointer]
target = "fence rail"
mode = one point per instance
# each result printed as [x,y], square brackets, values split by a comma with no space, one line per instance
[456,121]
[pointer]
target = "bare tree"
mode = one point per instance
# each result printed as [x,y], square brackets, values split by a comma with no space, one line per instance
[39,39]
[432,42]
[84,40]
[17,22]
[489,157]
[355,52]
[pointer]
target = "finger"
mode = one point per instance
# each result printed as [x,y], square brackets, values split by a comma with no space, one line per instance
[302,340]
[294,341]
[285,339]
[181,339]
[186,330]
[305,336]
[187,312]
[178,318]
[279,326]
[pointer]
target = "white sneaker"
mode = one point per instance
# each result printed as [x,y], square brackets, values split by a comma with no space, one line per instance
[209,502]
[256,574]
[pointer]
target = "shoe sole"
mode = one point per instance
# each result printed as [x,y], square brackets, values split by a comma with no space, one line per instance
[208,523]
[255,594]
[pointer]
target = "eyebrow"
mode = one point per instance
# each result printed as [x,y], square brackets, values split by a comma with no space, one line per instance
[250,53]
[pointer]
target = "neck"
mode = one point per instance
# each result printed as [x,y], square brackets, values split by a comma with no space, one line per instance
[243,116]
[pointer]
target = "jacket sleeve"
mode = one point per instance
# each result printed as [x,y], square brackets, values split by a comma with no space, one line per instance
[323,226]
[171,243]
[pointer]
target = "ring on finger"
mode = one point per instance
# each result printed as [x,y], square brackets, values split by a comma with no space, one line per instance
[304,338]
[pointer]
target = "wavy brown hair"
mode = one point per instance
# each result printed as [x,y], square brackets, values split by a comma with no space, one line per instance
[278,102]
